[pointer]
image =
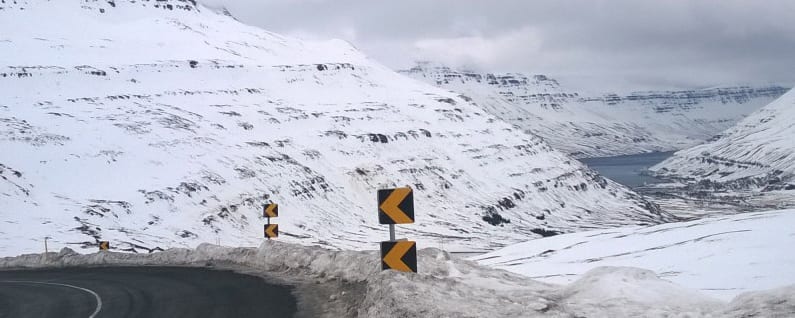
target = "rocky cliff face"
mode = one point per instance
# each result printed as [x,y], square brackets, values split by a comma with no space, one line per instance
[758,153]
[156,126]
[602,124]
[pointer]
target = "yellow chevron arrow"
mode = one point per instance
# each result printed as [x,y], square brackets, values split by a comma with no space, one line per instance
[393,258]
[390,206]
[272,230]
[104,245]
[270,210]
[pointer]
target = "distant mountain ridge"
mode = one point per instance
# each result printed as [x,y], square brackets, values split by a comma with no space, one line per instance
[607,124]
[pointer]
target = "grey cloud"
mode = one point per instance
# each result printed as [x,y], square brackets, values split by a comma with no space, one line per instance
[635,42]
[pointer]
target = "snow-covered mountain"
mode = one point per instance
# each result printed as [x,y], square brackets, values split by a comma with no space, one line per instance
[757,154]
[588,124]
[163,123]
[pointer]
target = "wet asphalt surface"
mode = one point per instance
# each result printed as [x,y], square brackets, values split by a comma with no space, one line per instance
[140,292]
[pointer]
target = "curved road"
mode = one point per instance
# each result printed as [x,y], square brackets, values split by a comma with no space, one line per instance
[140,292]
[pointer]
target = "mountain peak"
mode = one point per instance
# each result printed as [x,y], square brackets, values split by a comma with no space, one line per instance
[131,32]
[444,75]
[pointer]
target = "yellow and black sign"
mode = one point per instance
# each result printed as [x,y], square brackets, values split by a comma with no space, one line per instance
[104,245]
[399,255]
[271,230]
[396,206]
[271,210]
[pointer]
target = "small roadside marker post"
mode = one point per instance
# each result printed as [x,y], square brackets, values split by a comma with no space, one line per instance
[396,206]
[46,250]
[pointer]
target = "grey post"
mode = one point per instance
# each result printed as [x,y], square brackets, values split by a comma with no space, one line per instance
[392,232]
[46,249]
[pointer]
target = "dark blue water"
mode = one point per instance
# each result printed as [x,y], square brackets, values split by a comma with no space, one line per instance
[628,170]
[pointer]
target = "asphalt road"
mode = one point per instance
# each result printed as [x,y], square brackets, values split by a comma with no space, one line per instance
[140,292]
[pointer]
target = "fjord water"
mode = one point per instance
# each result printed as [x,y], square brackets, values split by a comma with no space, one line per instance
[628,170]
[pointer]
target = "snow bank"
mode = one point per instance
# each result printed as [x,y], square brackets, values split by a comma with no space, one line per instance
[720,256]
[445,286]
[770,303]
[632,292]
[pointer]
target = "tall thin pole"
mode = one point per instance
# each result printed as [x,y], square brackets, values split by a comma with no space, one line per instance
[392,232]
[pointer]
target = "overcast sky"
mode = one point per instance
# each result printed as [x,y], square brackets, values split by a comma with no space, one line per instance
[645,44]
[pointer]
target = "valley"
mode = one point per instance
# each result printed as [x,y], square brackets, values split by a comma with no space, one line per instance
[629,170]
[679,199]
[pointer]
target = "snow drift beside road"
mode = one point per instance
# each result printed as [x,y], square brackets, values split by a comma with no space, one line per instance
[447,287]
[721,256]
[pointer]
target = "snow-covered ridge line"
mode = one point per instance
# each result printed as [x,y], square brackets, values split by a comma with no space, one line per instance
[686,98]
[741,93]
[445,286]
[103,6]
[12,72]
[597,124]
[133,32]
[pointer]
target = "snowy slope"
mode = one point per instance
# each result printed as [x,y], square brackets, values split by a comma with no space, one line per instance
[757,153]
[722,256]
[588,124]
[162,123]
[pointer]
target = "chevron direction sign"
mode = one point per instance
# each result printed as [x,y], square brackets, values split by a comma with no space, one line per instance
[271,210]
[271,230]
[399,255]
[104,245]
[396,206]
